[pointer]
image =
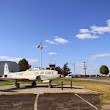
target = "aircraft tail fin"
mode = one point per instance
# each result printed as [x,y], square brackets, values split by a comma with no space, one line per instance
[6,69]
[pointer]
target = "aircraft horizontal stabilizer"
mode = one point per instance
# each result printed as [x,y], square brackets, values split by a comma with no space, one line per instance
[46,81]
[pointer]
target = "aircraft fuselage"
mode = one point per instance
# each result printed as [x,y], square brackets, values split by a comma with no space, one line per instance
[33,74]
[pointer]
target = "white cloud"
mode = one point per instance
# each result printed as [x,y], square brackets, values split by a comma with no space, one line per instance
[61,40]
[86,36]
[6,58]
[3,57]
[100,30]
[94,32]
[57,40]
[93,57]
[52,53]
[51,42]
[108,22]
[84,31]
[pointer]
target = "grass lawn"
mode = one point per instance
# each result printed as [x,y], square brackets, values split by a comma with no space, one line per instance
[8,82]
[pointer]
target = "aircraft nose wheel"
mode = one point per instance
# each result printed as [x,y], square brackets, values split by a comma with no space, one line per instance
[50,85]
[33,83]
[17,84]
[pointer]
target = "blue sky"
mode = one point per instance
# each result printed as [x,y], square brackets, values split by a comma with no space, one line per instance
[71,31]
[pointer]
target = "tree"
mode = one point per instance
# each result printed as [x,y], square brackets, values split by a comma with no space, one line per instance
[66,70]
[23,64]
[104,70]
[60,71]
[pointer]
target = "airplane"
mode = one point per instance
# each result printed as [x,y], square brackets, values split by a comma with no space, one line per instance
[30,75]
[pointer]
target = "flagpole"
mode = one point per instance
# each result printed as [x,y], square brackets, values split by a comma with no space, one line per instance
[40,48]
[41,58]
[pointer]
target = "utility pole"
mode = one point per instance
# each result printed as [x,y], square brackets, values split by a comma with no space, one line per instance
[74,70]
[85,68]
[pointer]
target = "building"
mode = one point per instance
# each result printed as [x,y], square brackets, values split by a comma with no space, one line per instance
[51,66]
[13,67]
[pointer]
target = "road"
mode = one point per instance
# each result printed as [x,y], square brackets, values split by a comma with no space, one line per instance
[102,80]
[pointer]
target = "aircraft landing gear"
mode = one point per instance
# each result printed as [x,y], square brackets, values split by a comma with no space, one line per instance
[33,83]
[16,84]
[50,85]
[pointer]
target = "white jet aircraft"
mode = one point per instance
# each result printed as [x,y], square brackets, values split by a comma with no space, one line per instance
[32,75]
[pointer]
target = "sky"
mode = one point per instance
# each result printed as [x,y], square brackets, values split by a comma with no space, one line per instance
[71,31]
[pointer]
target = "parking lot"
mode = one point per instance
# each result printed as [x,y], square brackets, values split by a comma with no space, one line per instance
[67,102]
[17,102]
[43,98]
[48,102]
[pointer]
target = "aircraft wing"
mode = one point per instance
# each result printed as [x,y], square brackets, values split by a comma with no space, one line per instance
[14,79]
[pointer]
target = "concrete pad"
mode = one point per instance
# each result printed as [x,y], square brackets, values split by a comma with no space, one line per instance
[41,89]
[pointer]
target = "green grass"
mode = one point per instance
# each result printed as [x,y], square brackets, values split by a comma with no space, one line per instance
[2,83]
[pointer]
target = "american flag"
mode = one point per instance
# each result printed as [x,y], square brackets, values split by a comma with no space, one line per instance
[40,46]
